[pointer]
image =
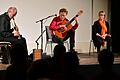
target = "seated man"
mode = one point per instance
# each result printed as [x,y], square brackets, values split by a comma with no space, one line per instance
[102,33]
[9,34]
[59,25]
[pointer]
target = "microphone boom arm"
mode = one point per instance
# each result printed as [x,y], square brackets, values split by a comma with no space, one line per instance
[46,18]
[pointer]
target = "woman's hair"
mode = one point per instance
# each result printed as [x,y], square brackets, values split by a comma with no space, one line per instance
[99,13]
[63,10]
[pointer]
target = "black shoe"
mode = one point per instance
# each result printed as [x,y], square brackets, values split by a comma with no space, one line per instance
[98,51]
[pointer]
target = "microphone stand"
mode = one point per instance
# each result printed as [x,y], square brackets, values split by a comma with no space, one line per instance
[41,21]
[39,38]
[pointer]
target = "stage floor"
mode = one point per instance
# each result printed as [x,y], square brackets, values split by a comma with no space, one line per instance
[84,59]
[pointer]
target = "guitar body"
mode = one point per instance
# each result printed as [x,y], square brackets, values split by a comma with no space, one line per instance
[61,32]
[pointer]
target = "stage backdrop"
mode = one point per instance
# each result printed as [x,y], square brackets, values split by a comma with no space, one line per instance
[29,11]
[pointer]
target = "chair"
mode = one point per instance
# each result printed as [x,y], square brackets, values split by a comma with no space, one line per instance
[92,41]
[49,40]
[5,51]
[93,47]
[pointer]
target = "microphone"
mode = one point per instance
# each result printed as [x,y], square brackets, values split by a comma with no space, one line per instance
[52,15]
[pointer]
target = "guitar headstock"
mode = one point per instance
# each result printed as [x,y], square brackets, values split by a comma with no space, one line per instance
[80,12]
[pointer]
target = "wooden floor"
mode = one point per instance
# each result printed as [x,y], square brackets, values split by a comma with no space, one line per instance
[84,59]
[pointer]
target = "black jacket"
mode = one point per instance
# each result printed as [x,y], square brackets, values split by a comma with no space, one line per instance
[96,28]
[5,28]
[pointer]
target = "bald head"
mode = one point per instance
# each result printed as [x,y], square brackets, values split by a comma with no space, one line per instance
[12,11]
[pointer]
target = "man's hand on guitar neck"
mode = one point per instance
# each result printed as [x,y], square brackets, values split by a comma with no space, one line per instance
[76,20]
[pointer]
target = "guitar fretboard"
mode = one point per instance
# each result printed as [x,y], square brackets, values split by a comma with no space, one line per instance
[71,21]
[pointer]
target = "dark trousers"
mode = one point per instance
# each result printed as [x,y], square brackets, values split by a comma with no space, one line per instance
[100,41]
[14,40]
[70,34]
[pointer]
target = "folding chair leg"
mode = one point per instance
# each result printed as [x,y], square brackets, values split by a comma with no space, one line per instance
[93,49]
[68,46]
[45,46]
[51,48]
[90,47]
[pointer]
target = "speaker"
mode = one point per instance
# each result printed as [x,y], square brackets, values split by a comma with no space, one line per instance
[37,54]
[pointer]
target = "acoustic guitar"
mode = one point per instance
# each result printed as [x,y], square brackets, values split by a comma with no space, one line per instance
[61,32]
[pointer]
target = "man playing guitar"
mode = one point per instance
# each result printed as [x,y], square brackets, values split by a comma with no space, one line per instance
[62,29]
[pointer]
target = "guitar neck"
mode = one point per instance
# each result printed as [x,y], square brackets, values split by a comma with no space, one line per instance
[71,21]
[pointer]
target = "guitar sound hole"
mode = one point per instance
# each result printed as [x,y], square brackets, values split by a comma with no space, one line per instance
[61,30]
